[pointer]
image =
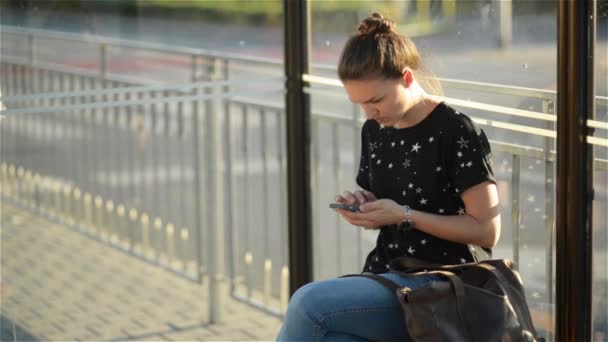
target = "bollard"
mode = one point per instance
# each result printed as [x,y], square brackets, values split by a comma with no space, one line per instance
[37,191]
[145,234]
[98,219]
[109,222]
[47,196]
[67,208]
[184,237]
[11,180]
[88,211]
[57,197]
[170,243]
[131,230]
[158,225]
[267,282]
[76,205]
[284,294]
[28,186]
[121,226]
[249,270]
[3,178]
[19,183]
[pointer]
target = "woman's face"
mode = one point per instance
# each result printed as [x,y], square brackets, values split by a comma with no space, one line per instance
[383,100]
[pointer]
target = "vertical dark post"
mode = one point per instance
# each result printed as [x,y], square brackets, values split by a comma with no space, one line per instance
[575,44]
[297,109]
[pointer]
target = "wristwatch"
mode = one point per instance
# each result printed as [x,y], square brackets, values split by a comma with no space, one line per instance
[407,223]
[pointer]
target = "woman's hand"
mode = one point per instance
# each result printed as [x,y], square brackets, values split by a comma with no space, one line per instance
[358,197]
[375,214]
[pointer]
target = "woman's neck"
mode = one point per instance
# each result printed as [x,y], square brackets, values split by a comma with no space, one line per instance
[423,105]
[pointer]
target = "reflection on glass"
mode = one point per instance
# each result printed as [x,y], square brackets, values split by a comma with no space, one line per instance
[496,62]
[600,179]
[154,131]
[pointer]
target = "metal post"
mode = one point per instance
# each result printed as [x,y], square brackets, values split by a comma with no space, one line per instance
[515,209]
[575,50]
[505,22]
[297,104]
[549,217]
[215,199]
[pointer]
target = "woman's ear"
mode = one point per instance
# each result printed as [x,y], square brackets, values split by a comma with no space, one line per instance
[408,77]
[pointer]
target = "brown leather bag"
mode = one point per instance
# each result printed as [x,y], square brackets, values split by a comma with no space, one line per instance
[482,301]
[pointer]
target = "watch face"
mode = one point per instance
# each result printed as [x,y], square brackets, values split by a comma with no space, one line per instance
[405,226]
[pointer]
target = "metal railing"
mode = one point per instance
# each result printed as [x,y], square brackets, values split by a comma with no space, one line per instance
[150,209]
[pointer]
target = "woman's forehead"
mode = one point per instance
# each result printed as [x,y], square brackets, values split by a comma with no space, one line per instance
[361,91]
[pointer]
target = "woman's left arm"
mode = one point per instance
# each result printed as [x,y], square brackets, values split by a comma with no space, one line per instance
[479,224]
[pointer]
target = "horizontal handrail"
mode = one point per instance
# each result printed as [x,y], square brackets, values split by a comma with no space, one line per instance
[124,43]
[478,105]
[113,104]
[130,89]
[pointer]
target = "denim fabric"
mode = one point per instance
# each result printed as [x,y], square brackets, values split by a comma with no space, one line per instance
[347,309]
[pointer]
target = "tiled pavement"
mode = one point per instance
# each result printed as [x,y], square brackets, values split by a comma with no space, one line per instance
[57,284]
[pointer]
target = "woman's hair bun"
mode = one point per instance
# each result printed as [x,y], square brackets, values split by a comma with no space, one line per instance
[376,24]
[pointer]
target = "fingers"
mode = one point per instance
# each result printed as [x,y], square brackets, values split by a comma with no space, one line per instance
[358,197]
[357,219]
[346,197]
[369,195]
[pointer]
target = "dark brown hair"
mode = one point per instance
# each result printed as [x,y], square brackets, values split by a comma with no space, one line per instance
[378,50]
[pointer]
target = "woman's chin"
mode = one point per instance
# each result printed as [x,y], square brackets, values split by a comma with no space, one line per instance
[385,123]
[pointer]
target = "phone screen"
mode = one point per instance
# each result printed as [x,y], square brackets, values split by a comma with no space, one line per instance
[353,208]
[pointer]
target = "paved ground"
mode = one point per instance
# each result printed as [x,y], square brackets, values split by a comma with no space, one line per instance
[57,284]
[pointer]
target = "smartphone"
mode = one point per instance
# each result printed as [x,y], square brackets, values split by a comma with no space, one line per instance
[353,208]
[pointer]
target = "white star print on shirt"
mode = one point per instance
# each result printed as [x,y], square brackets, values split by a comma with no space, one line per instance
[411,186]
[411,250]
[379,161]
[461,211]
[415,147]
[393,144]
[438,169]
[463,143]
[431,139]
[418,190]
[373,156]
[423,242]
[459,154]
[423,201]
[441,211]
[407,163]
[462,261]
[469,164]
[402,142]
[390,166]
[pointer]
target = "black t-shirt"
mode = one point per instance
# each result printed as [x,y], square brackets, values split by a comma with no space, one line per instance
[427,167]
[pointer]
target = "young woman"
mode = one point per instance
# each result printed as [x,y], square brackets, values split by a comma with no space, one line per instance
[426,185]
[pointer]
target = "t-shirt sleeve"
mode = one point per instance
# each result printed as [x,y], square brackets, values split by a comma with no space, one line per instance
[469,155]
[363,178]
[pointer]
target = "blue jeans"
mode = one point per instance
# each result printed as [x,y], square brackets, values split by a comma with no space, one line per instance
[348,309]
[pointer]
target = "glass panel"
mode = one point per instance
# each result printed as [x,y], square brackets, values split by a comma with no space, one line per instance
[154,131]
[496,61]
[600,178]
